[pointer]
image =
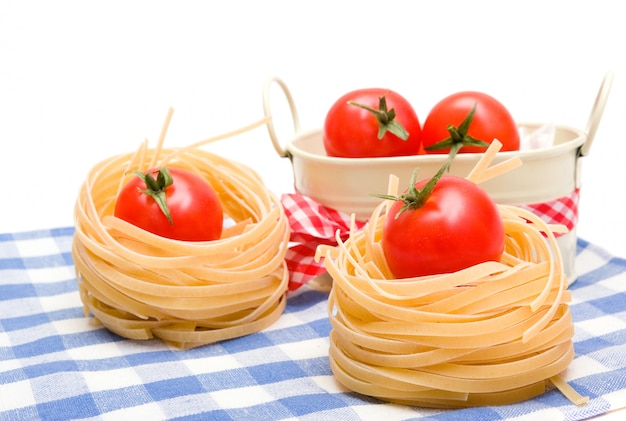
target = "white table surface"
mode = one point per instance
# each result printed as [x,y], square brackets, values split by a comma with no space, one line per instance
[81,81]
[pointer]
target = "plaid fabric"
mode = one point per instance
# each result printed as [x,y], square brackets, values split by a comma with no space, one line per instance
[312,224]
[563,210]
[55,363]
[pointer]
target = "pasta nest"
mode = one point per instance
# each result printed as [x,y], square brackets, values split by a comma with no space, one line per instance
[495,333]
[140,285]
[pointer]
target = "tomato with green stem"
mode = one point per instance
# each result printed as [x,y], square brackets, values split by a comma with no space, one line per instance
[490,120]
[441,225]
[173,203]
[369,123]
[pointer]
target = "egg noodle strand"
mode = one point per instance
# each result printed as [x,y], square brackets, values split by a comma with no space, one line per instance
[140,285]
[491,334]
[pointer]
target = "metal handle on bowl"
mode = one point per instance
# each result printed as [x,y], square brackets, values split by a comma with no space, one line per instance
[280,149]
[596,113]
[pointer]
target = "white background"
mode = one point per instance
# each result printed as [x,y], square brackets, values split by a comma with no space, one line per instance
[81,81]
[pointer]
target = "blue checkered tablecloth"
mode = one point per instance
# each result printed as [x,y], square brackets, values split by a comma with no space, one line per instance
[55,363]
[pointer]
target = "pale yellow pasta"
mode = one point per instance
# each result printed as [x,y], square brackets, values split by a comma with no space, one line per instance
[140,285]
[491,334]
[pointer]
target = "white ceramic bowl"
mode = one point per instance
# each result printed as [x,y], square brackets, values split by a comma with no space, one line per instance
[346,184]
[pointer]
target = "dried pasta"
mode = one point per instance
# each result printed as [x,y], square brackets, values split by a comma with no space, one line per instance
[491,334]
[140,285]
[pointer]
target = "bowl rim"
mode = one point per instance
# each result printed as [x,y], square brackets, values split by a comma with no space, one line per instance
[295,151]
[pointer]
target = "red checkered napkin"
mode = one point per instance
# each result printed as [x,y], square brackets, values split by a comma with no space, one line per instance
[563,210]
[313,224]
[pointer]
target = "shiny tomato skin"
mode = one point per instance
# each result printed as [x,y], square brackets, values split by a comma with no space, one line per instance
[458,226]
[352,132]
[491,120]
[194,207]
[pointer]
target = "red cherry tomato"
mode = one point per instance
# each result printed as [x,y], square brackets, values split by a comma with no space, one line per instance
[351,131]
[491,120]
[194,207]
[456,227]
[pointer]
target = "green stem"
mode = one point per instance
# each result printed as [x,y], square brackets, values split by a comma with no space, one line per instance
[386,119]
[415,198]
[459,137]
[155,188]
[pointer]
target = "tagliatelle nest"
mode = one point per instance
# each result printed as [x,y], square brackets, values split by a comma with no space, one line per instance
[140,285]
[494,333]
